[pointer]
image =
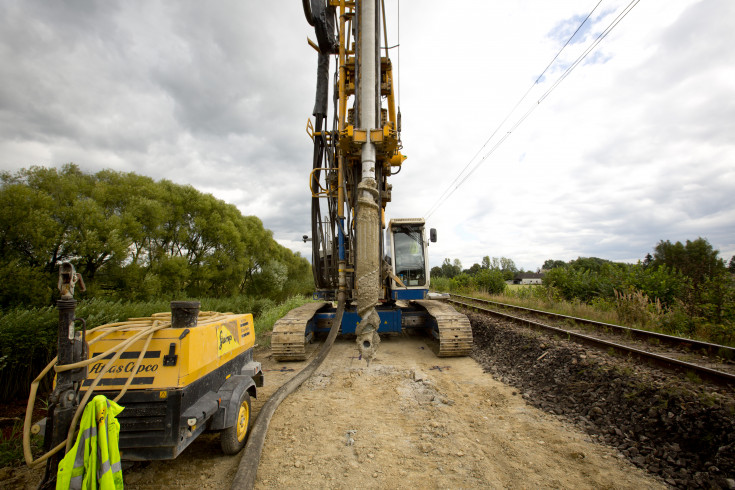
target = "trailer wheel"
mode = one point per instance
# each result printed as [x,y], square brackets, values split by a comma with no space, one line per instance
[232,439]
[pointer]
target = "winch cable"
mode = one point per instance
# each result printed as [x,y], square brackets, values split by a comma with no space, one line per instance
[248,468]
[147,326]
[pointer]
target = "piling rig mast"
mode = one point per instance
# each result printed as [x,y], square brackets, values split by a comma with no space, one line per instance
[351,166]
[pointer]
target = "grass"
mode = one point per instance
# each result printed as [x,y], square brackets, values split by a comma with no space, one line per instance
[531,297]
[632,310]
[11,445]
[268,317]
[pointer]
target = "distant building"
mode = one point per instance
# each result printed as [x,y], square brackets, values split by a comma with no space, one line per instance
[528,278]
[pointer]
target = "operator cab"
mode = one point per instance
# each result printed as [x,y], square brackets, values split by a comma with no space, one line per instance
[408,250]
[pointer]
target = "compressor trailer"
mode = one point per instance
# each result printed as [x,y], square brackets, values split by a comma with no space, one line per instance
[196,375]
[175,374]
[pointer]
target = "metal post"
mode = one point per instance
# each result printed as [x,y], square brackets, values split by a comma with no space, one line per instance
[367,84]
[341,264]
[63,401]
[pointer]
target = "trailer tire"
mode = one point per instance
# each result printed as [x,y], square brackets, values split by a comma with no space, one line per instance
[233,438]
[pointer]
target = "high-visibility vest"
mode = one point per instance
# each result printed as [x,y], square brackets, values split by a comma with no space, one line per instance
[94,460]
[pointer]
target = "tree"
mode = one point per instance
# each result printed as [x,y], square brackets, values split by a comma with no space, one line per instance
[133,238]
[593,264]
[436,271]
[731,265]
[450,270]
[553,264]
[474,269]
[696,260]
[508,268]
[490,281]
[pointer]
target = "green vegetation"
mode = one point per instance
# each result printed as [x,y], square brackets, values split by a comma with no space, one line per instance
[133,238]
[11,445]
[488,277]
[681,289]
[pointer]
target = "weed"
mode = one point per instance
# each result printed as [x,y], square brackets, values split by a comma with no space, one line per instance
[11,445]
[625,371]
[725,354]
[268,317]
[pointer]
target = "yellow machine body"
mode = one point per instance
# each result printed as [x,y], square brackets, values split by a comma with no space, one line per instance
[190,380]
[199,351]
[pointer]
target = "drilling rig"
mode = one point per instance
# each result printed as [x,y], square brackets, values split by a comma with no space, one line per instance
[385,285]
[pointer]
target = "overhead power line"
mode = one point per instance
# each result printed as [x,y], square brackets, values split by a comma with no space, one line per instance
[460,179]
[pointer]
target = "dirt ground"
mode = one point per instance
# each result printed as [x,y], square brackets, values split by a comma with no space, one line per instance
[409,420]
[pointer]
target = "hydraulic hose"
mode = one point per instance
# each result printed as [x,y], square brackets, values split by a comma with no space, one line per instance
[247,471]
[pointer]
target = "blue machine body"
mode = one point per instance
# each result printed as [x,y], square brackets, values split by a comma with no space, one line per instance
[393,319]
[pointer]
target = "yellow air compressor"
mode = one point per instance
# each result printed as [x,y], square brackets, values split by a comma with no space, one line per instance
[196,373]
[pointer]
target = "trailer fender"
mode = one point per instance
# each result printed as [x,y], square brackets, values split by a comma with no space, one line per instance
[229,397]
[253,370]
[200,411]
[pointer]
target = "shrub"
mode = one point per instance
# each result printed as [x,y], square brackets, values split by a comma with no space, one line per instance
[490,281]
[634,308]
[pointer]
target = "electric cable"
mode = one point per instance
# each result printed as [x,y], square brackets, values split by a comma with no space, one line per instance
[449,190]
[523,97]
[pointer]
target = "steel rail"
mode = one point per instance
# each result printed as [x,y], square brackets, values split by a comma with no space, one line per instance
[691,344]
[704,373]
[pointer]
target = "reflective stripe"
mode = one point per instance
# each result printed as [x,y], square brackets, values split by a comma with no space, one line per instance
[76,482]
[104,468]
[116,467]
[86,434]
[104,465]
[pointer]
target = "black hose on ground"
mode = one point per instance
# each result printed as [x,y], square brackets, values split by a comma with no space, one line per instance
[248,468]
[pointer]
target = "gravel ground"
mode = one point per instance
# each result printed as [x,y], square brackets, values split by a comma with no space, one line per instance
[679,429]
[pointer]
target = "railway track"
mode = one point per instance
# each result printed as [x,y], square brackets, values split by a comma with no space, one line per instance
[707,361]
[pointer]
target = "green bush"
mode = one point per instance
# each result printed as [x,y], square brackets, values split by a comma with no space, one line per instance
[635,309]
[490,281]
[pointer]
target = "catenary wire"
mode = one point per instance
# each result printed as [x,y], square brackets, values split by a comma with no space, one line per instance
[450,190]
[523,97]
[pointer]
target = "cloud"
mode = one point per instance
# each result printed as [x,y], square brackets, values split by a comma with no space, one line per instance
[633,147]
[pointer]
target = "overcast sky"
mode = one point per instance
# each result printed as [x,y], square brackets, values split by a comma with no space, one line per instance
[636,145]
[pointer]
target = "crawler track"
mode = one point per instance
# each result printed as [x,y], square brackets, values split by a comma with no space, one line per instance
[455,331]
[639,344]
[289,337]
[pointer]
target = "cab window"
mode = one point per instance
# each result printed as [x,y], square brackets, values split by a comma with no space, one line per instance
[409,260]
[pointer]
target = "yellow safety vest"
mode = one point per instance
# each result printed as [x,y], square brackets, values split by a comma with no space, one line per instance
[94,460]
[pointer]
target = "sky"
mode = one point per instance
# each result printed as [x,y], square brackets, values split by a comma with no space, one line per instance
[635,145]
